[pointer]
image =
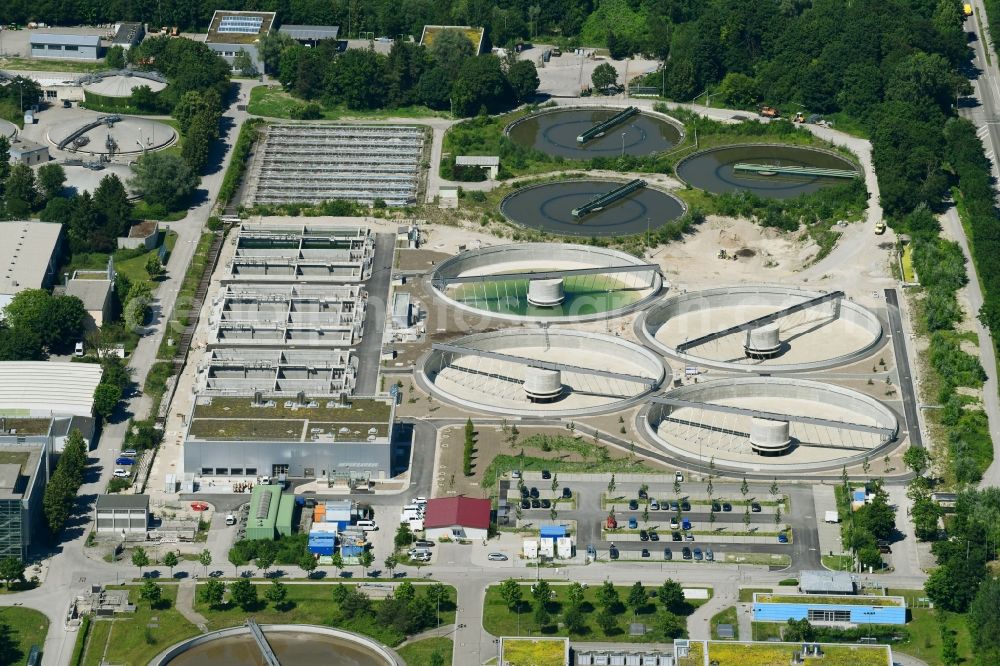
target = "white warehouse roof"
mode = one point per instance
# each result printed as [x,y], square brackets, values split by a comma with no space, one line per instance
[43,388]
[477,160]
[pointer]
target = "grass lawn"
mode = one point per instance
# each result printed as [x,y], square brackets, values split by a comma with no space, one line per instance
[909,275]
[273,102]
[308,604]
[764,654]
[420,652]
[145,212]
[765,630]
[133,640]
[924,640]
[540,652]
[817,599]
[500,621]
[746,593]
[838,562]
[32,65]
[130,263]
[26,628]
[728,616]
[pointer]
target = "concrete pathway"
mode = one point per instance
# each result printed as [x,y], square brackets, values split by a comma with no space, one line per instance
[725,593]
[185,605]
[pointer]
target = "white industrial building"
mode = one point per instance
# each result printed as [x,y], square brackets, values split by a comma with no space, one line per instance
[43,389]
[65,46]
[29,256]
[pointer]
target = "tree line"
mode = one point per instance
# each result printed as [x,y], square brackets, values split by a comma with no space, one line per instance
[64,483]
[448,75]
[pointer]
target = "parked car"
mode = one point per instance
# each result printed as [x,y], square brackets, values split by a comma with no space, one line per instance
[685,523]
[653,536]
[727,507]
[884,548]
[122,460]
[688,536]
[496,557]
[654,505]
[686,553]
[643,494]
[613,553]
[591,551]
[643,535]
[546,504]
[536,504]
[675,536]
[423,543]
[633,505]
[674,525]
[120,473]
[230,520]
[755,507]
[525,504]
[698,557]
[534,493]
[782,537]
[131,453]
[709,555]
[633,524]
[675,506]
[524,491]
[645,552]
[546,474]
[668,554]
[685,506]
[678,477]
[567,493]
[716,506]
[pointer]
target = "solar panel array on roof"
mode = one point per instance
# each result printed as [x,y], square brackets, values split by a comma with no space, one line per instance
[242,25]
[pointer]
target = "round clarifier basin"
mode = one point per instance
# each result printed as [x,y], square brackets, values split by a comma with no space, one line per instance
[596,373]
[554,132]
[714,170]
[129,136]
[549,207]
[584,297]
[832,333]
[764,441]
[292,644]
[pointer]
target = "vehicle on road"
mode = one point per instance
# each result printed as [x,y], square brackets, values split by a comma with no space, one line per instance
[879,228]
[496,557]
[230,520]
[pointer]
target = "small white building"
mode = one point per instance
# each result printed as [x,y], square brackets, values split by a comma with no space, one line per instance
[489,162]
[121,514]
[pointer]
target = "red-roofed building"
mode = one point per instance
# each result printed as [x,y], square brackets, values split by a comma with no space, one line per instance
[457,518]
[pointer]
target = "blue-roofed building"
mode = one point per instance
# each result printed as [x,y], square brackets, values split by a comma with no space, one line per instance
[829,608]
[552,531]
[65,46]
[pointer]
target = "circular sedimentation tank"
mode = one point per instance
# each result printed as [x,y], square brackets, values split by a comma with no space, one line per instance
[829,334]
[549,207]
[714,169]
[292,644]
[767,442]
[555,131]
[512,386]
[122,85]
[565,298]
[130,135]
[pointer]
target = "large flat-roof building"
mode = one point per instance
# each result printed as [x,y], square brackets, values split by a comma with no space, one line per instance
[29,256]
[43,389]
[233,31]
[24,472]
[280,253]
[252,436]
[65,46]
[827,582]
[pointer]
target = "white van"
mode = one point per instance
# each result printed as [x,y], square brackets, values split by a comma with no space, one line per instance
[78,349]
[368,525]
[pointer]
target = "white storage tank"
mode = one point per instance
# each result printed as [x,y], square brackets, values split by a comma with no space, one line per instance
[542,385]
[546,293]
[769,437]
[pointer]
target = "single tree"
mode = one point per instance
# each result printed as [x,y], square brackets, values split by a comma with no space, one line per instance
[243,593]
[163,178]
[744,488]
[264,560]
[337,560]
[575,595]
[205,559]
[541,592]
[51,178]
[607,596]
[573,620]
[510,592]
[917,459]
[604,76]
[212,593]
[523,78]
[106,398]
[390,564]
[236,559]
[151,592]
[140,558]
[774,487]
[277,594]
[541,615]
[671,596]
[170,560]
[115,58]
[607,621]
[11,570]
[244,63]
[555,482]
[405,592]
[669,624]
[154,267]
[366,561]
[307,563]
[637,597]
[611,485]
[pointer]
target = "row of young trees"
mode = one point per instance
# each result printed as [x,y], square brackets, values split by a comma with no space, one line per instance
[64,483]
[446,75]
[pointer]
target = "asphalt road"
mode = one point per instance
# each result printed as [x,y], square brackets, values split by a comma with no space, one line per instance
[905,378]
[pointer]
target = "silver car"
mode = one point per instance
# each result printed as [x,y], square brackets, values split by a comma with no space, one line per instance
[497,557]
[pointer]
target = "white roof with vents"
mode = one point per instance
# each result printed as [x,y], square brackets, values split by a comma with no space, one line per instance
[44,388]
[25,251]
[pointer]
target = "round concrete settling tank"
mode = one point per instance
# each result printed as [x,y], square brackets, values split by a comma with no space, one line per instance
[827,334]
[775,171]
[555,132]
[130,135]
[535,372]
[291,644]
[772,424]
[511,282]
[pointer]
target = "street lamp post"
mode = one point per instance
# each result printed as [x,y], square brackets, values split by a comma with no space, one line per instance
[623,144]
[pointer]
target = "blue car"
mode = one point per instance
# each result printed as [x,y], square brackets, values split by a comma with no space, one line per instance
[124,461]
[685,524]
[782,538]
[633,523]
